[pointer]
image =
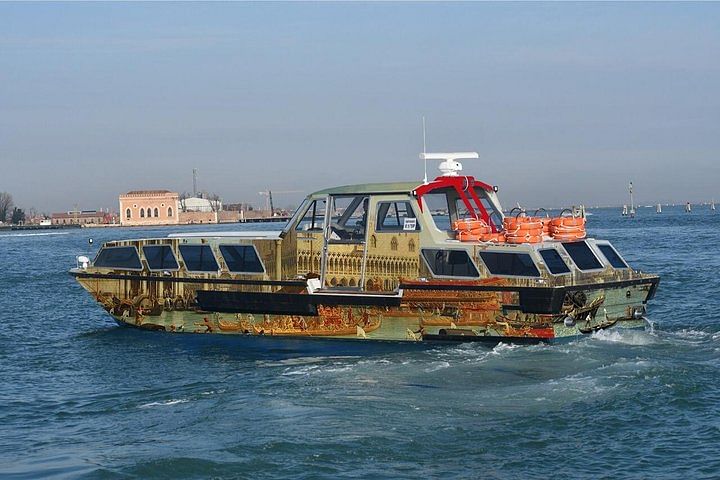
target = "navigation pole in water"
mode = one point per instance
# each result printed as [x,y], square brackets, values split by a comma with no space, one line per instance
[632,203]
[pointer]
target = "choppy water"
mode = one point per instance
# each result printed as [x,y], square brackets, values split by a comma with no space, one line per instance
[83,398]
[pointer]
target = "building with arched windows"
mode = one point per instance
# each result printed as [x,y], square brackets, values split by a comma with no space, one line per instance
[149,207]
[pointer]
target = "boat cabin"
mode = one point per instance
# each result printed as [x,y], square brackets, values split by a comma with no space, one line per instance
[372,238]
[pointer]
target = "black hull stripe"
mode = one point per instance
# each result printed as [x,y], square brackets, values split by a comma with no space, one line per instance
[284,303]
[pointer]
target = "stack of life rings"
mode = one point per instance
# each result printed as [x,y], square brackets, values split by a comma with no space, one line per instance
[522,229]
[567,228]
[476,230]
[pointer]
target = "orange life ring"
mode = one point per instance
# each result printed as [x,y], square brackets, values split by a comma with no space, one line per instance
[569,236]
[466,236]
[567,222]
[470,229]
[469,224]
[524,232]
[545,222]
[524,239]
[493,237]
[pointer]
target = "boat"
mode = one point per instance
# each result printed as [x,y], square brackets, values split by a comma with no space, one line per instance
[424,262]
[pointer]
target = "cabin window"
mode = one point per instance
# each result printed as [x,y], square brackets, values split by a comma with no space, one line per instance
[199,258]
[449,263]
[396,217]
[160,257]
[438,206]
[313,219]
[612,256]
[581,254]
[125,258]
[495,215]
[462,209]
[510,264]
[241,259]
[554,262]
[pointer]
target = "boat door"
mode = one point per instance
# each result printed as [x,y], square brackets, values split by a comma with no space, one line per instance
[344,256]
[310,235]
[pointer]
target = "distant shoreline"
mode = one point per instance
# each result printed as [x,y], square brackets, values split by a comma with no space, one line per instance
[6,228]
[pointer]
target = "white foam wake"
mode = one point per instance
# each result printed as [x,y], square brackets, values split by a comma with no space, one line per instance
[164,403]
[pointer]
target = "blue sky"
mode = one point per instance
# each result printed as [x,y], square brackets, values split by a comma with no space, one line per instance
[564,102]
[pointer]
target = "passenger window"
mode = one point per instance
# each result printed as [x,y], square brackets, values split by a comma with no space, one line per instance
[450,263]
[612,256]
[125,258]
[554,262]
[581,254]
[160,257]
[510,264]
[241,259]
[199,258]
[314,218]
[396,217]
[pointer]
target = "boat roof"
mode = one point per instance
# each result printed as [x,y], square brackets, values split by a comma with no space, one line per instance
[394,187]
[256,234]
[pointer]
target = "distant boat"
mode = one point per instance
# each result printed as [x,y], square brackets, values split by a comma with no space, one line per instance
[624,211]
[712,205]
[688,207]
[658,209]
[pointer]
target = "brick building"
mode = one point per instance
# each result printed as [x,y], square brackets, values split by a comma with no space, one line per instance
[149,207]
[85,217]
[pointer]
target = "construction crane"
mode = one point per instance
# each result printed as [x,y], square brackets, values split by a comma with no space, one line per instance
[268,194]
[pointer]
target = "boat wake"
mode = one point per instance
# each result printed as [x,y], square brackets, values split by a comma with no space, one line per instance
[628,337]
[164,403]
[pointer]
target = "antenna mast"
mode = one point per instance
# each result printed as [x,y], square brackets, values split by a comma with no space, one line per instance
[194,182]
[424,150]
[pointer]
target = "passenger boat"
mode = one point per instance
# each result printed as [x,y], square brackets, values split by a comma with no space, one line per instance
[433,261]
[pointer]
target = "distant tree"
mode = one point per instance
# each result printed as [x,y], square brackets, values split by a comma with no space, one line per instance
[18,216]
[214,201]
[182,198]
[6,204]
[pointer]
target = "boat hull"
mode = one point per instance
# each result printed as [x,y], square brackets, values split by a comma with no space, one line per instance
[445,312]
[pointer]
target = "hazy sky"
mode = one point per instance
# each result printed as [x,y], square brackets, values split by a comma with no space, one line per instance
[564,102]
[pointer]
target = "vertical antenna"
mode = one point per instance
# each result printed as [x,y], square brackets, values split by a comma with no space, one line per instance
[194,182]
[424,150]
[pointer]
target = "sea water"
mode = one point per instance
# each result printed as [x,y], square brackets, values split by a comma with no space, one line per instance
[81,397]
